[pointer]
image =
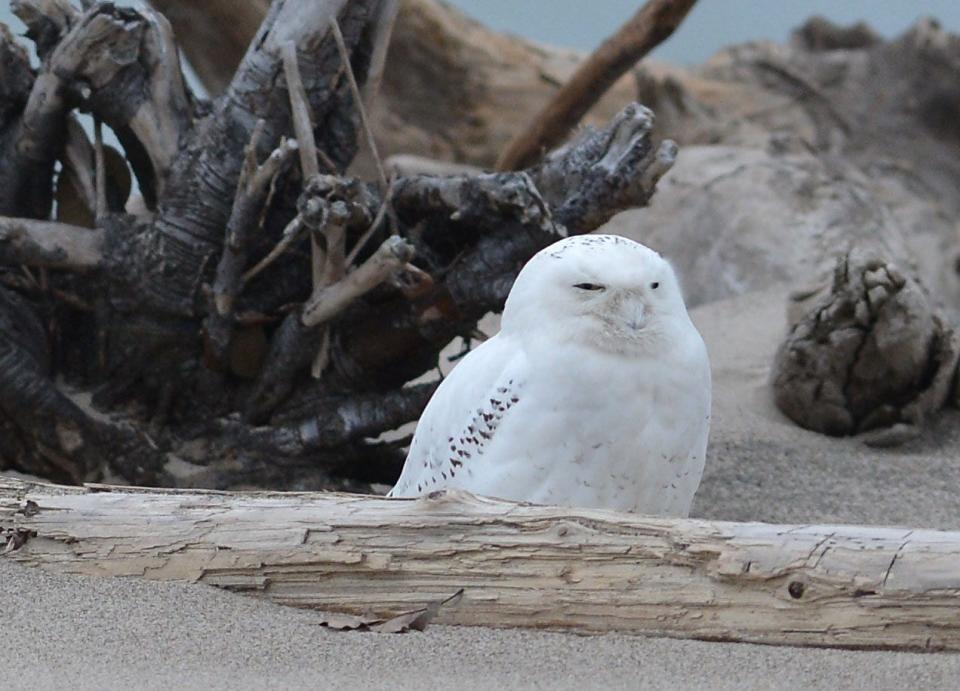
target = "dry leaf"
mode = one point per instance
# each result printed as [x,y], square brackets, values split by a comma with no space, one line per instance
[17,538]
[71,206]
[414,620]
[348,622]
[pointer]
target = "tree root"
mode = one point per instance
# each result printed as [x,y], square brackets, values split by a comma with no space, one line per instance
[871,353]
[166,319]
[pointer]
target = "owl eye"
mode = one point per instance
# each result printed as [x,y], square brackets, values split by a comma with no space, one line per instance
[589,286]
[655,285]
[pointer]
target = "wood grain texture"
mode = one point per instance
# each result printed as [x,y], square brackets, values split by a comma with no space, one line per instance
[521,566]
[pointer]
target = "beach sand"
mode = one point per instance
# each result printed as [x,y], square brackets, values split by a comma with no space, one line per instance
[68,632]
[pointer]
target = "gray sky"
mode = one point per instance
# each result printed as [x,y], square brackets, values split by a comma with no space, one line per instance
[711,25]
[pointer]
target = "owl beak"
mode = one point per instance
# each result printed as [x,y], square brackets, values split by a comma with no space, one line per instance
[637,319]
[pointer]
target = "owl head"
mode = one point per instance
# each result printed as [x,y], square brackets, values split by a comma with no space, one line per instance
[600,290]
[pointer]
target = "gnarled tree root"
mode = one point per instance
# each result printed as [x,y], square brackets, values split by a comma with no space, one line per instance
[871,355]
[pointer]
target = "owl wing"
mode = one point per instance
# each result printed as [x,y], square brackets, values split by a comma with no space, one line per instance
[462,418]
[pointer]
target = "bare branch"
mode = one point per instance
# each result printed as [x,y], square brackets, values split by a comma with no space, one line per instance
[326,304]
[49,244]
[248,207]
[101,171]
[336,421]
[34,116]
[378,219]
[293,232]
[124,67]
[191,225]
[649,27]
[303,129]
[161,119]
[380,37]
[358,99]
[300,111]
[46,21]
[601,173]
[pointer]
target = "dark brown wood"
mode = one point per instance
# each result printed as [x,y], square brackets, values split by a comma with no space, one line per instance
[176,344]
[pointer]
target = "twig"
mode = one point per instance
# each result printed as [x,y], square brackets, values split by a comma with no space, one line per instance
[101,170]
[335,266]
[649,27]
[253,189]
[29,284]
[303,128]
[322,358]
[378,219]
[292,233]
[326,304]
[358,99]
[78,157]
[300,111]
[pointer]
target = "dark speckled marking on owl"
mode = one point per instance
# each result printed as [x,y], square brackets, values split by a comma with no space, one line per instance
[588,241]
[478,431]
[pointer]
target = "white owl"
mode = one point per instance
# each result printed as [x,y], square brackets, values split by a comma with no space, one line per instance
[595,392]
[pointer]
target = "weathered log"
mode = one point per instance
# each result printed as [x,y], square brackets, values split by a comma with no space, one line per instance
[519,565]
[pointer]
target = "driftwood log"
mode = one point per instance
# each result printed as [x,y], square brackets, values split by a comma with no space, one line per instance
[519,565]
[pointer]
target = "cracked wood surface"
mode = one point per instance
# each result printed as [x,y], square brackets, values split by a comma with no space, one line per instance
[521,566]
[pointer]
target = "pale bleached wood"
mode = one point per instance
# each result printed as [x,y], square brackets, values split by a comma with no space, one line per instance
[521,566]
[50,244]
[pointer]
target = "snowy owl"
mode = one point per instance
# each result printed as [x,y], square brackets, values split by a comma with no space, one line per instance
[595,392]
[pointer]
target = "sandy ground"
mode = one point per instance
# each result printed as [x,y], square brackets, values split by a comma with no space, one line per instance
[760,466]
[79,633]
[63,632]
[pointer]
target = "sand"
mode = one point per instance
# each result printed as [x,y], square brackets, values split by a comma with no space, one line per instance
[87,633]
[63,632]
[760,466]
